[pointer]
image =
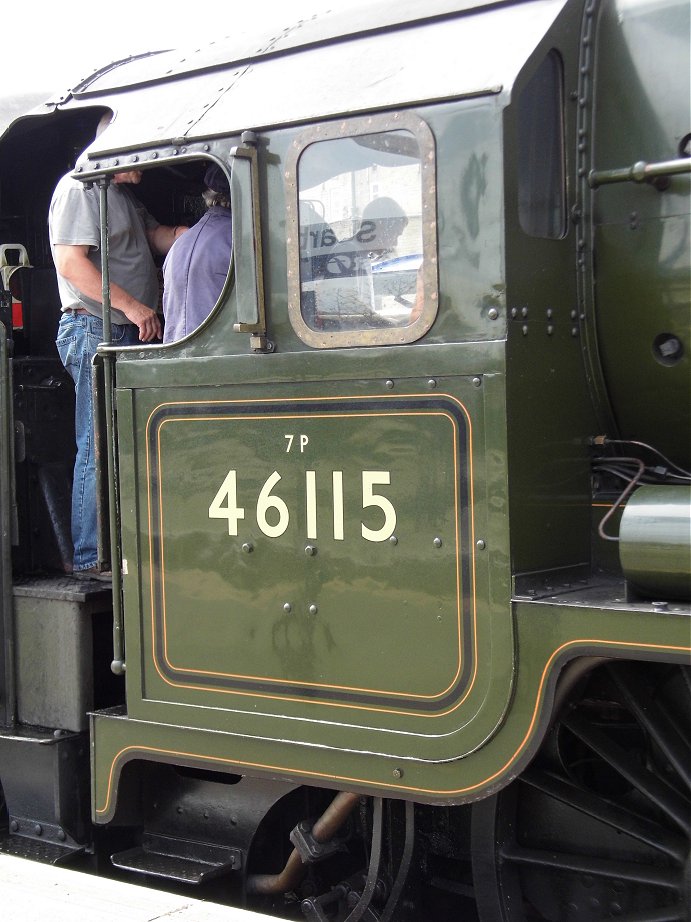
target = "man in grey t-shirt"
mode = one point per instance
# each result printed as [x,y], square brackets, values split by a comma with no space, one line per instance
[74,228]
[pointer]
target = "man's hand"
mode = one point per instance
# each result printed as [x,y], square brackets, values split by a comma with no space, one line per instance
[72,262]
[146,319]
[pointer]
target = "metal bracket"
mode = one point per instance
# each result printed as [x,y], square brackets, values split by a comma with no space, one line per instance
[259,342]
[310,850]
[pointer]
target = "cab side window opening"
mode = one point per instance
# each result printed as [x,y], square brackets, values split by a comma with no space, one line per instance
[194,194]
[361,229]
[196,267]
[541,171]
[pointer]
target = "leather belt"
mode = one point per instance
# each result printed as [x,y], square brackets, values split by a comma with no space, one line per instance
[76,310]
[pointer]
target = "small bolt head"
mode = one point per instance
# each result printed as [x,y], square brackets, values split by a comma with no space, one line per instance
[310,550]
[393,539]
[432,382]
[480,545]
[437,542]
[248,547]
[313,609]
[492,313]
[389,384]
[398,772]
[287,608]
[477,382]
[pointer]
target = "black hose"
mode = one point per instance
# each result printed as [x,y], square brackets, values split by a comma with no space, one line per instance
[404,866]
[373,872]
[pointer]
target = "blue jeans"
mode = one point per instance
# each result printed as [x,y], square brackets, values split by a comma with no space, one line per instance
[77,339]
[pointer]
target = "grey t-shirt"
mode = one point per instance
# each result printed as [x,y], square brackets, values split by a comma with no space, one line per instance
[74,219]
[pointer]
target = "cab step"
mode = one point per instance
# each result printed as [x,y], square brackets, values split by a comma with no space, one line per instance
[18,846]
[181,860]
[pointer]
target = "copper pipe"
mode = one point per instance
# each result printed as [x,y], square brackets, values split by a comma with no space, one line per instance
[324,829]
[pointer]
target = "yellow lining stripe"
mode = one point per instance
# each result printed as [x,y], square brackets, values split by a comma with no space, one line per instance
[389,785]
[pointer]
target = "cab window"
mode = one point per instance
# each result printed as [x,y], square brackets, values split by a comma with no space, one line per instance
[365,226]
[541,180]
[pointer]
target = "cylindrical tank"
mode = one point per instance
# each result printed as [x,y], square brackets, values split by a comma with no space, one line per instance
[655,541]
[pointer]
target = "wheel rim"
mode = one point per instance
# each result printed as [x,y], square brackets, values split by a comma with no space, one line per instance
[598,826]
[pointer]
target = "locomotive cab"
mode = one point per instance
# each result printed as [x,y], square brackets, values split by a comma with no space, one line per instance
[359,518]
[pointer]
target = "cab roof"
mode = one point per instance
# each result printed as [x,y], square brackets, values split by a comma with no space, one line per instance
[382,56]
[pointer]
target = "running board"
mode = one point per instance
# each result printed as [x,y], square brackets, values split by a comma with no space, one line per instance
[181,860]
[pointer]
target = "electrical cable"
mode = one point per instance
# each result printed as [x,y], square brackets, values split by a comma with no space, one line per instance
[620,500]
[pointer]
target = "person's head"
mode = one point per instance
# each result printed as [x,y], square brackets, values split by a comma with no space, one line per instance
[217,190]
[388,218]
[127,176]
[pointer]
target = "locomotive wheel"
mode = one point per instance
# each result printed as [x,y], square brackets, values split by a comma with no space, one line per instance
[598,826]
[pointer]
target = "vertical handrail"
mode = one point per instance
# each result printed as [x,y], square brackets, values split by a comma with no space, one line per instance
[8,703]
[118,664]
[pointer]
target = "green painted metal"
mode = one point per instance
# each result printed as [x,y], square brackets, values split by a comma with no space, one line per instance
[285,617]
[268,626]
[549,634]
[376,568]
[641,232]
[551,369]
[655,541]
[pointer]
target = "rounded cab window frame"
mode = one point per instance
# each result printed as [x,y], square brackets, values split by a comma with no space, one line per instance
[427,276]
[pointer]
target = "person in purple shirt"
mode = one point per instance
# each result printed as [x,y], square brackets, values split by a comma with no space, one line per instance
[196,267]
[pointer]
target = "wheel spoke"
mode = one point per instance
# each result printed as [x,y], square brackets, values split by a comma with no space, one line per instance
[686,676]
[668,800]
[604,808]
[593,864]
[593,805]
[657,722]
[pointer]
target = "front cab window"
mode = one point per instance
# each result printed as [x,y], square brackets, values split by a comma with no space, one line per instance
[364,234]
[542,170]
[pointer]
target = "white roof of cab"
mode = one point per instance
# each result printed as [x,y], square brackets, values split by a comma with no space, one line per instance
[315,71]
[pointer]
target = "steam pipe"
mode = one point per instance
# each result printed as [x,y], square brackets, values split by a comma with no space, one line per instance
[324,829]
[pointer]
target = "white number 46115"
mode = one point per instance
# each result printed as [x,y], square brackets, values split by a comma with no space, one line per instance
[273,515]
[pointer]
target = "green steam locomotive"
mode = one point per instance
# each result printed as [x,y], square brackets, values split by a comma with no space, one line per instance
[399,626]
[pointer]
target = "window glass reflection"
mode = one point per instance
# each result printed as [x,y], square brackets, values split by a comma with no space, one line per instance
[360,202]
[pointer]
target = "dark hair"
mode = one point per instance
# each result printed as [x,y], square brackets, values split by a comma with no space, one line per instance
[216,179]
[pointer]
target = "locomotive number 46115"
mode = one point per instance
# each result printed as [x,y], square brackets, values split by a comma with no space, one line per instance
[273,514]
